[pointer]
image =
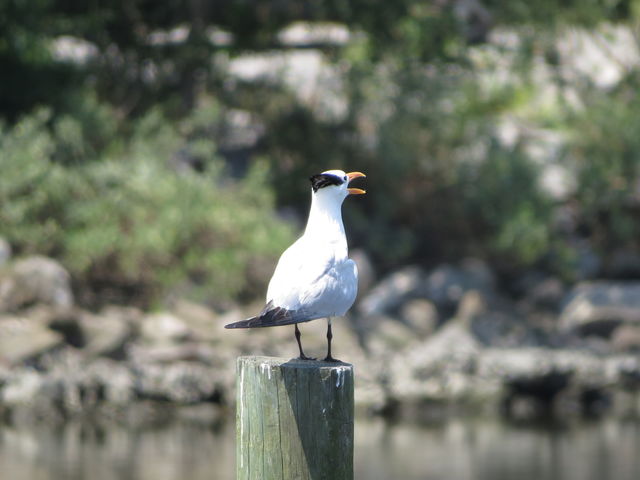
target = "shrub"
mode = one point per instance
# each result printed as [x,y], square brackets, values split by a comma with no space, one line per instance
[135,224]
[605,153]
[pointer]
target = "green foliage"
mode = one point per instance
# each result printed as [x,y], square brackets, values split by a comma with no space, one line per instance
[507,207]
[120,176]
[137,221]
[605,152]
[30,75]
[455,189]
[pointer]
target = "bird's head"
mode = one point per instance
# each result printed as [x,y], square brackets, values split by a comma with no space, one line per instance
[335,183]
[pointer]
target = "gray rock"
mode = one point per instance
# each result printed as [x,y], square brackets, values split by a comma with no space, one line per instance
[438,369]
[446,285]
[420,315]
[106,334]
[25,339]
[560,382]
[588,263]
[392,291]
[200,320]
[387,336]
[114,381]
[5,252]
[471,305]
[598,308]
[525,363]
[181,382]
[626,338]
[164,327]
[35,280]
[21,388]
[623,264]
[174,352]
[545,294]
[63,320]
[66,384]
[366,270]
[498,326]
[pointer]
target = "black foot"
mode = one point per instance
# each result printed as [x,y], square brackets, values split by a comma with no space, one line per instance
[329,358]
[304,357]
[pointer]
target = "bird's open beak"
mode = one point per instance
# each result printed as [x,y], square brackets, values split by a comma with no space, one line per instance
[355,191]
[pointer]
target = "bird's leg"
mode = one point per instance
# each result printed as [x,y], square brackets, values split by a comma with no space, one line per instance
[329,358]
[298,335]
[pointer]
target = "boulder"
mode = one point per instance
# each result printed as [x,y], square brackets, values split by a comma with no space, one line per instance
[626,338]
[5,252]
[63,320]
[113,381]
[420,315]
[175,352]
[439,368]
[392,291]
[106,334]
[446,285]
[597,308]
[25,339]
[386,336]
[498,326]
[164,327]
[546,294]
[587,262]
[181,382]
[35,280]
[366,270]
[541,382]
[203,322]
[523,364]
[622,264]
[21,388]
[66,384]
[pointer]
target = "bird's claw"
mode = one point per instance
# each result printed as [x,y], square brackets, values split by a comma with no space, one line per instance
[304,357]
[331,359]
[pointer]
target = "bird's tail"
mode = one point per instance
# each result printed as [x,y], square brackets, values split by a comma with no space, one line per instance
[253,322]
[273,317]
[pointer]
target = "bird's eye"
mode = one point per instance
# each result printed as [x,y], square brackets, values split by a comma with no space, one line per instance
[345,178]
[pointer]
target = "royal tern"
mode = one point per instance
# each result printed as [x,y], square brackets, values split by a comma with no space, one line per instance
[314,277]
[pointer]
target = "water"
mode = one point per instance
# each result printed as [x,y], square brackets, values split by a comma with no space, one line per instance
[492,450]
[455,450]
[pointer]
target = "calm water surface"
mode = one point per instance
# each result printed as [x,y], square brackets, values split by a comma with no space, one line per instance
[457,450]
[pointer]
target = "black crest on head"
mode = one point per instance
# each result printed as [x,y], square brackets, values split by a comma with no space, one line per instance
[322,180]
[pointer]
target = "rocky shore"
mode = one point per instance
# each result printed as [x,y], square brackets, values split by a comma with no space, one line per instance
[424,343]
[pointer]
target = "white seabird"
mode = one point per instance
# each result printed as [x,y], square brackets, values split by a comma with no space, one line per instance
[314,278]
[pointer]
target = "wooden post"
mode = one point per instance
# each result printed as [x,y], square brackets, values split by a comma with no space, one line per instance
[294,420]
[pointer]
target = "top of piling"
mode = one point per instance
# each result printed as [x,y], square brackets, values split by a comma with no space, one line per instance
[292,362]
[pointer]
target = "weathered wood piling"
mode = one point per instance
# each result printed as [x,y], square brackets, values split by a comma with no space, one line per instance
[294,419]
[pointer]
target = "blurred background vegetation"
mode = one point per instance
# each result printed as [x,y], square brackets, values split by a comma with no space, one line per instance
[163,148]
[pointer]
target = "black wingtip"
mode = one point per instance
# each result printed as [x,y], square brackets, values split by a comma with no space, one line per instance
[273,317]
[248,323]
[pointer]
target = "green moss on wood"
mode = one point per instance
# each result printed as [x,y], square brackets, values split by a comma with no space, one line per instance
[294,420]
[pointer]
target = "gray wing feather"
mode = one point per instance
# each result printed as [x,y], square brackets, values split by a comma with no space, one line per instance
[274,317]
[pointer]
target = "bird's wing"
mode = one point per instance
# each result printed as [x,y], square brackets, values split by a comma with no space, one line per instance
[319,285]
[332,293]
[298,269]
[309,282]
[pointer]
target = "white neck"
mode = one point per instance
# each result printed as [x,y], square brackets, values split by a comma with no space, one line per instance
[325,222]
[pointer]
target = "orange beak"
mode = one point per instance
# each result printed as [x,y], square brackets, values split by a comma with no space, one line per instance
[355,191]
